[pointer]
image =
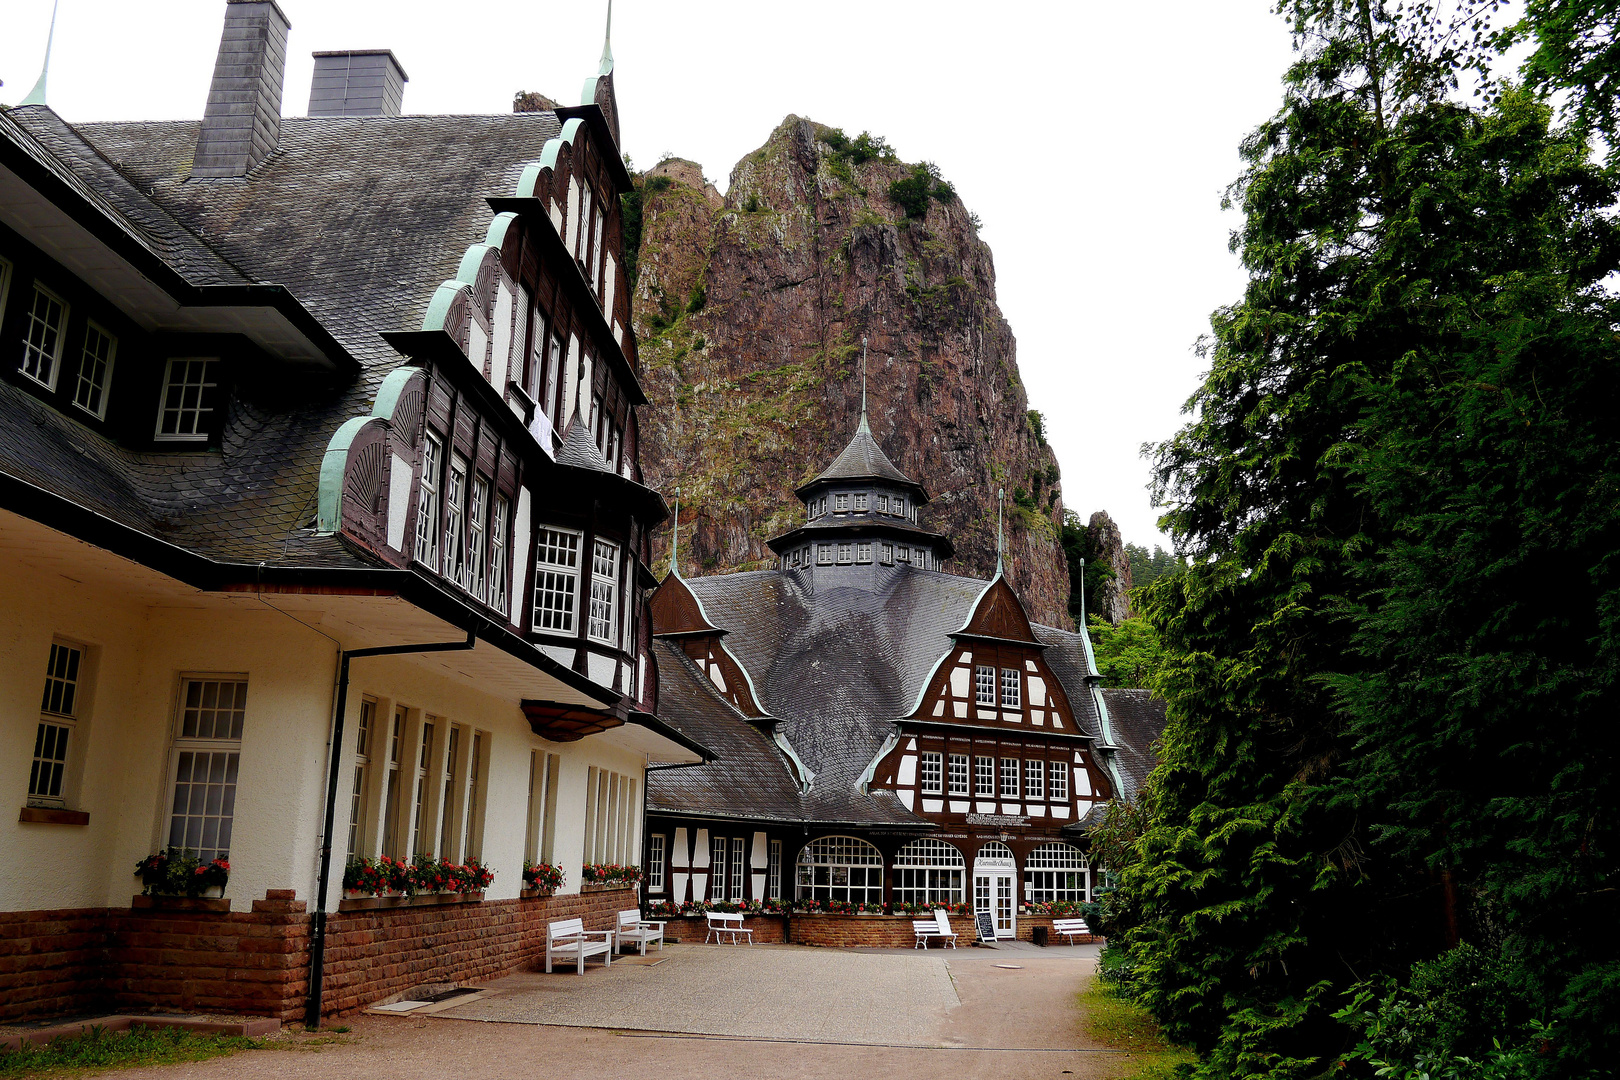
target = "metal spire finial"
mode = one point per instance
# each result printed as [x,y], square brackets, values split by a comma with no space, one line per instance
[1001,506]
[607,44]
[675,541]
[36,96]
[864,425]
[1082,595]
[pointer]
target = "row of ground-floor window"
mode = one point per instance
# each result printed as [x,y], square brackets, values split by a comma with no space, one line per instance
[733,863]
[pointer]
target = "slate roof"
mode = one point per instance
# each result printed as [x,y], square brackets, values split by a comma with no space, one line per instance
[750,776]
[863,459]
[838,704]
[1138,719]
[359,218]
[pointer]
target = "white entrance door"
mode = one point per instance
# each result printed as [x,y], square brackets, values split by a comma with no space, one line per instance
[993,892]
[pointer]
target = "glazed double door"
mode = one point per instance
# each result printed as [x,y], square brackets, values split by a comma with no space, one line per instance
[993,892]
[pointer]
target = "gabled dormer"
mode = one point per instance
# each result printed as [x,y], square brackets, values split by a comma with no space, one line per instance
[679,618]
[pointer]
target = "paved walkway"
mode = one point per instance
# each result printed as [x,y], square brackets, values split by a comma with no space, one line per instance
[984,1015]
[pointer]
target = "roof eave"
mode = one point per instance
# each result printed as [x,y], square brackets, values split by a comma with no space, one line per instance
[595,120]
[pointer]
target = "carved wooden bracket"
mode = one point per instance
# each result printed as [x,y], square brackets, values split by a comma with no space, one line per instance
[568,723]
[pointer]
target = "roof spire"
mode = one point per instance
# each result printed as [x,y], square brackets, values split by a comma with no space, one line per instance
[1001,503]
[36,96]
[864,426]
[675,541]
[607,44]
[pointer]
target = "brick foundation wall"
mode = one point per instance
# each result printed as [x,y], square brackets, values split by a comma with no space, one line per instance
[855,931]
[90,959]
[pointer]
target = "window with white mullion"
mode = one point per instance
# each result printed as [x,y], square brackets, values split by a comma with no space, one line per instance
[929,774]
[959,774]
[929,871]
[362,771]
[1058,872]
[984,685]
[604,591]
[186,407]
[455,519]
[737,864]
[427,504]
[1011,689]
[556,581]
[472,840]
[1035,779]
[499,515]
[984,777]
[655,862]
[391,808]
[1009,778]
[477,537]
[58,720]
[42,337]
[95,371]
[840,868]
[717,868]
[773,872]
[206,759]
[1058,781]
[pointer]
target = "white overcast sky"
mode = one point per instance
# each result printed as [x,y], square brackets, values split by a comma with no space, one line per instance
[1093,139]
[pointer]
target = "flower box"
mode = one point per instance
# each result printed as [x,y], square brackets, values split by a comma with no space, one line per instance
[144,902]
[384,903]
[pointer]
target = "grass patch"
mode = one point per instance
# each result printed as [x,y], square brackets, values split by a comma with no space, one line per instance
[1115,1021]
[98,1049]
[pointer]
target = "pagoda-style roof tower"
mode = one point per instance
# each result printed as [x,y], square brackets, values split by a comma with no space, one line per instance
[861,511]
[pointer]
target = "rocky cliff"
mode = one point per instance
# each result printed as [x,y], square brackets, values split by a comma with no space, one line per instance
[750,311]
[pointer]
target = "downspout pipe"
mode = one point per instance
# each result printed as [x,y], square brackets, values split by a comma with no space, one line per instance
[317,929]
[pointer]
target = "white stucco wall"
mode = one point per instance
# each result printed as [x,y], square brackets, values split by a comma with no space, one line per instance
[121,751]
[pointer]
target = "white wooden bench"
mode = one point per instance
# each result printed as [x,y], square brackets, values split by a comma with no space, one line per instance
[1070,927]
[723,924]
[634,930]
[569,939]
[943,921]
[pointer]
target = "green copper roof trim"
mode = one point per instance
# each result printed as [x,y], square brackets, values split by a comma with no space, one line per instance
[807,778]
[554,145]
[529,181]
[393,385]
[467,272]
[607,48]
[329,495]
[439,306]
[36,96]
[496,236]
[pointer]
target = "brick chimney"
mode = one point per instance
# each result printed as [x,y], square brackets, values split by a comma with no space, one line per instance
[243,118]
[357,82]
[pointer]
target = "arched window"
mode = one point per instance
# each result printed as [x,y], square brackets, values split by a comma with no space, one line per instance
[928,871]
[841,868]
[995,849]
[1058,872]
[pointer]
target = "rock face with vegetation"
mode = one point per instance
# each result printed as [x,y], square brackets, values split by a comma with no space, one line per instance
[750,311]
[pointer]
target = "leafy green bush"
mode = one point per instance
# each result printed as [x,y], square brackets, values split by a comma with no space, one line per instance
[913,191]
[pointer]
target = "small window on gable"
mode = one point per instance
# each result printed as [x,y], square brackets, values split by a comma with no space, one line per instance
[95,371]
[929,777]
[860,501]
[1035,779]
[959,774]
[427,504]
[187,406]
[984,685]
[1058,781]
[841,503]
[42,342]
[1011,697]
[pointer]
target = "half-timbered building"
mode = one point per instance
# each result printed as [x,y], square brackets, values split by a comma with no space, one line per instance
[887,732]
[324,532]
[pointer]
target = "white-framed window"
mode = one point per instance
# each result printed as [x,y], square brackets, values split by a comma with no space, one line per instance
[920,557]
[205,760]
[717,868]
[427,504]
[499,515]
[472,838]
[883,504]
[959,774]
[42,340]
[840,868]
[604,591]
[556,580]
[448,808]
[860,502]
[655,862]
[841,504]
[773,871]
[1011,688]
[737,864]
[396,754]
[1009,778]
[362,773]
[1058,781]
[984,777]
[1058,871]
[58,721]
[455,520]
[886,553]
[929,774]
[899,505]
[904,554]
[421,839]
[477,537]
[863,552]
[984,684]
[929,871]
[1035,779]
[187,407]
[846,553]
[824,554]
[95,371]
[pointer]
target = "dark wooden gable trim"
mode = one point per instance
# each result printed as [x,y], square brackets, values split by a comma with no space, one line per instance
[1000,615]
[675,610]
